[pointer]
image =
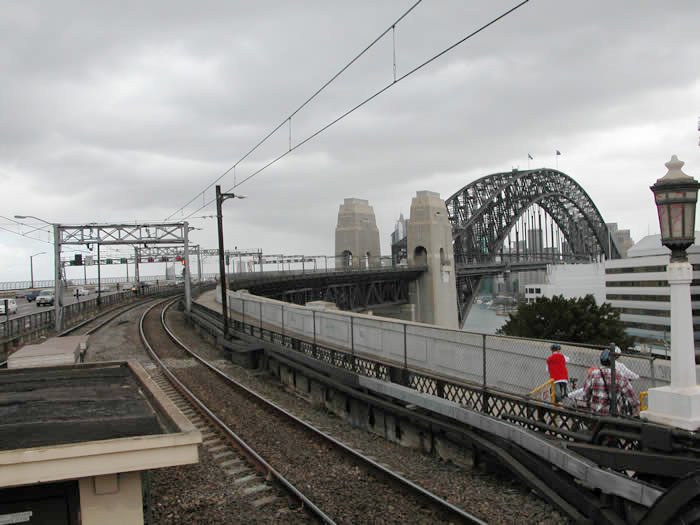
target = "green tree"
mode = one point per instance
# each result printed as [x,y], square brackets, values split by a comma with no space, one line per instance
[578,320]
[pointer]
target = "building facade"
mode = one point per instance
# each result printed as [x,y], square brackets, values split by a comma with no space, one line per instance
[635,286]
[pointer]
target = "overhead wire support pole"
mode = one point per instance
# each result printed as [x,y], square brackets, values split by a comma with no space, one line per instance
[220,198]
[57,289]
[188,288]
[222,268]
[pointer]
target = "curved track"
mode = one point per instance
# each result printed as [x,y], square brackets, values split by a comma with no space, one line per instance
[332,481]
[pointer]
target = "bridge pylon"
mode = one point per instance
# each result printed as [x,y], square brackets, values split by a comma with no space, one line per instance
[429,239]
[356,235]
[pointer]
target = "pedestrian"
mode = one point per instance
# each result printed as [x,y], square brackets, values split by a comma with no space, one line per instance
[556,366]
[596,390]
[620,366]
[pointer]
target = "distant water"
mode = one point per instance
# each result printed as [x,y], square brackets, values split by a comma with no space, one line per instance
[483,320]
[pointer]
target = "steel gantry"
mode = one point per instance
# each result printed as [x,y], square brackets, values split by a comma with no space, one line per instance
[116,234]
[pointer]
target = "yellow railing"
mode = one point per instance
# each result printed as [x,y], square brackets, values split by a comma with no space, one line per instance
[542,391]
[643,400]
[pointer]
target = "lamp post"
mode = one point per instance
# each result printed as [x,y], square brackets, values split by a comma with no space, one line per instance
[676,196]
[57,288]
[220,198]
[31,267]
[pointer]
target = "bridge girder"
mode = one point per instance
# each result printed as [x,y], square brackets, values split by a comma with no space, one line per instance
[483,213]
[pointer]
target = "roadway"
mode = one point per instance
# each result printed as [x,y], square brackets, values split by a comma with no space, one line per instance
[24,307]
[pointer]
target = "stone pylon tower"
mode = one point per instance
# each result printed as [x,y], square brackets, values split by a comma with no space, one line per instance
[430,243]
[356,235]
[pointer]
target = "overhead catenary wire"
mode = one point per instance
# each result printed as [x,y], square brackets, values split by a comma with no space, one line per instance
[358,106]
[25,234]
[288,119]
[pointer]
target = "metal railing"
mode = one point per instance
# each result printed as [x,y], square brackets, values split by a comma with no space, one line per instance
[508,364]
[28,326]
[92,281]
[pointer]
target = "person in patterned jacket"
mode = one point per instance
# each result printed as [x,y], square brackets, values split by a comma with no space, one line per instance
[596,390]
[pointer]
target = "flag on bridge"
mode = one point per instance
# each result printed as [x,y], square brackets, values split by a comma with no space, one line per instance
[558,152]
[529,156]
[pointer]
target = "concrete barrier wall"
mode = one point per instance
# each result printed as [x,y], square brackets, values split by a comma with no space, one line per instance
[511,364]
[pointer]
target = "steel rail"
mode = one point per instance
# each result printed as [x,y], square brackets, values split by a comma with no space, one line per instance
[434,499]
[530,472]
[123,309]
[259,463]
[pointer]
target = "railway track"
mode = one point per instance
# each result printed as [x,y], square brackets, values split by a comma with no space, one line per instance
[332,482]
[93,324]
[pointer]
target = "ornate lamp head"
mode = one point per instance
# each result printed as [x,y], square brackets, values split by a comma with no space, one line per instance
[676,196]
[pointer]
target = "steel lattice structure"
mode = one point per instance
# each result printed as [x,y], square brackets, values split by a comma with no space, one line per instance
[483,212]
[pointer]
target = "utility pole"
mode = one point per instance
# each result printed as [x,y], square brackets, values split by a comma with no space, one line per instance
[57,288]
[220,198]
[186,259]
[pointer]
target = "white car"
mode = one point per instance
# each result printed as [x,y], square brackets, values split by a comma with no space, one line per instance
[45,297]
[11,306]
[81,291]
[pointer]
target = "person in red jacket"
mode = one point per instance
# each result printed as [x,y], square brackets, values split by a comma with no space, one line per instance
[556,366]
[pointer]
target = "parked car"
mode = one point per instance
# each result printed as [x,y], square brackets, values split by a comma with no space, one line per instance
[45,298]
[11,305]
[31,295]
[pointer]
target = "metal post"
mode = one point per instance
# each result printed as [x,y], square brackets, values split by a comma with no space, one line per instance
[57,288]
[483,359]
[405,348]
[283,336]
[261,326]
[136,265]
[84,274]
[99,285]
[613,381]
[352,341]
[242,314]
[188,284]
[31,271]
[484,395]
[313,313]
[222,268]
[199,265]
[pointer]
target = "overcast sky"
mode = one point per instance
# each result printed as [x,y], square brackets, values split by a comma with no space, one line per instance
[124,111]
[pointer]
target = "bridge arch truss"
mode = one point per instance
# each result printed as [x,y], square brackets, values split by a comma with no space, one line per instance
[484,212]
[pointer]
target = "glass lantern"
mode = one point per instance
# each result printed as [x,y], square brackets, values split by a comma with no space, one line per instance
[676,196]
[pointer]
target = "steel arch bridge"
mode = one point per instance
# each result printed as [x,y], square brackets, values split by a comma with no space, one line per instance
[484,212]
